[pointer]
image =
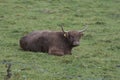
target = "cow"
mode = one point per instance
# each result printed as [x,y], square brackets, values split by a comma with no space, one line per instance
[57,43]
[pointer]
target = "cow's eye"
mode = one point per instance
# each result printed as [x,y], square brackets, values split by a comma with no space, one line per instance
[71,37]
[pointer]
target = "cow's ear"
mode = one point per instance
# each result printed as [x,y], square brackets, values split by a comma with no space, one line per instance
[81,33]
[65,34]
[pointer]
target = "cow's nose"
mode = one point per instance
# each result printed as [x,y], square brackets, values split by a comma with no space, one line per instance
[76,43]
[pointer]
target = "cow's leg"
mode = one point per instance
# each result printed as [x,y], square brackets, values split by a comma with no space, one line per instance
[55,51]
[68,52]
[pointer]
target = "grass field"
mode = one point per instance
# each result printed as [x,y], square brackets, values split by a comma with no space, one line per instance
[98,56]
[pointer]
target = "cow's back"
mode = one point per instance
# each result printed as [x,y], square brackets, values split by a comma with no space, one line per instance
[30,41]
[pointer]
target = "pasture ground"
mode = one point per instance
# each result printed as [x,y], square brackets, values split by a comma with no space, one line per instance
[98,56]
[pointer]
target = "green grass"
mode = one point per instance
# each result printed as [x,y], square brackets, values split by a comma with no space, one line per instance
[98,56]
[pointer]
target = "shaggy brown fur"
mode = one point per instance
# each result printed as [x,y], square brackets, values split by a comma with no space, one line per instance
[51,42]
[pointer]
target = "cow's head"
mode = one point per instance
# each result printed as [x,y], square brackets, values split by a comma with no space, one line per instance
[73,36]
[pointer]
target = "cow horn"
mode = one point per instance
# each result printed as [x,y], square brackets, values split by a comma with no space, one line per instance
[83,29]
[62,29]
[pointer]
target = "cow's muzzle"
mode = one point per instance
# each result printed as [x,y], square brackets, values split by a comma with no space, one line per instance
[76,43]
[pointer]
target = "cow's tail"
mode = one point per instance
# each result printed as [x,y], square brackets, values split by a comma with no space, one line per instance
[23,43]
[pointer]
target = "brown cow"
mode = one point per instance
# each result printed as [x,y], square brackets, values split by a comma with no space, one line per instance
[52,42]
